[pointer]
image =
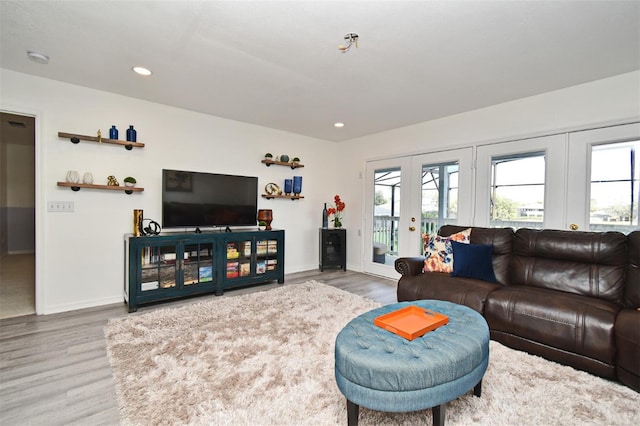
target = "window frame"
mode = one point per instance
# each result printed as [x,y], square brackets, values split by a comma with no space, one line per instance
[554,147]
[580,145]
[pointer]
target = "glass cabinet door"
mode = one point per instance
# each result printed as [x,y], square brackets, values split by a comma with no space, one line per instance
[159,266]
[198,264]
[266,256]
[238,259]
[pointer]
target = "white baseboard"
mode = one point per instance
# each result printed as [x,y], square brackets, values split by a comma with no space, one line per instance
[55,309]
[21,252]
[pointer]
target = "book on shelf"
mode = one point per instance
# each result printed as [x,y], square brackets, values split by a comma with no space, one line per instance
[272,264]
[149,255]
[272,247]
[152,285]
[261,267]
[246,251]
[245,269]
[232,269]
[261,247]
[205,273]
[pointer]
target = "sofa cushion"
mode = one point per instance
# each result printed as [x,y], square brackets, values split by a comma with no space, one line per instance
[473,261]
[586,263]
[500,238]
[578,324]
[438,256]
[436,285]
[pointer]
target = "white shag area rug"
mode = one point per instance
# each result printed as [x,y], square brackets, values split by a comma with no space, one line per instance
[266,358]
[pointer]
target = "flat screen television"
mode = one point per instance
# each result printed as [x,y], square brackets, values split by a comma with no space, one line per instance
[195,199]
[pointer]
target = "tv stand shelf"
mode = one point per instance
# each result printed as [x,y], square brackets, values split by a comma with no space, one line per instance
[77,138]
[176,265]
[293,166]
[290,197]
[76,187]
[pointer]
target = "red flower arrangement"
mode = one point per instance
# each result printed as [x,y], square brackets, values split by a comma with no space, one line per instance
[336,211]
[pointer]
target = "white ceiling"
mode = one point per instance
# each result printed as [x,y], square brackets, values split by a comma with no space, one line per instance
[276,63]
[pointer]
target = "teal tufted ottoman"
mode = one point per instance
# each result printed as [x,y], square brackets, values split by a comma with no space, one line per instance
[382,371]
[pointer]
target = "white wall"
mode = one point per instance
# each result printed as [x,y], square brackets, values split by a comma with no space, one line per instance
[80,256]
[81,253]
[607,101]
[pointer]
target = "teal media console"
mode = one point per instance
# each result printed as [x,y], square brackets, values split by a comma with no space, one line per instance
[174,265]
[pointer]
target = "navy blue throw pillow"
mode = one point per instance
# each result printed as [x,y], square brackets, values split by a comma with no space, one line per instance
[473,261]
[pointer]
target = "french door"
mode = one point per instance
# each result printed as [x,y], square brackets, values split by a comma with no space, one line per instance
[410,196]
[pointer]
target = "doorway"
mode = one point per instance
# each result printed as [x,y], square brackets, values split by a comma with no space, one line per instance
[410,197]
[17,215]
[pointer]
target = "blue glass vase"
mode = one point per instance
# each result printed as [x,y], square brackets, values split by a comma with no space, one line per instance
[132,135]
[297,185]
[113,133]
[288,183]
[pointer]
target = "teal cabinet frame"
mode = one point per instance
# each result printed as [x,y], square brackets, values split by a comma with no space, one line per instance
[171,266]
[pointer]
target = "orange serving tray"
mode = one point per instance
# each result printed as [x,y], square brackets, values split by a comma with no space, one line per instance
[411,321]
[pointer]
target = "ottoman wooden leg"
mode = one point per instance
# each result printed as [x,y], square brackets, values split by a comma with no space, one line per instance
[438,413]
[352,413]
[477,391]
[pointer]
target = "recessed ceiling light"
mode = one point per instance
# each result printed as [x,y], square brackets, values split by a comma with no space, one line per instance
[338,125]
[141,71]
[39,58]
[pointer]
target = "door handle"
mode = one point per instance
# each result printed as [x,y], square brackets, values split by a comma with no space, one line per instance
[573,227]
[412,228]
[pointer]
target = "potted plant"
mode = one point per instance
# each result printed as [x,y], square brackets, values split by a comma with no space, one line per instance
[268,156]
[295,160]
[262,225]
[336,212]
[130,181]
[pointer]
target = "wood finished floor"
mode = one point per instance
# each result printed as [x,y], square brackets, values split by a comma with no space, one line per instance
[17,285]
[54,369]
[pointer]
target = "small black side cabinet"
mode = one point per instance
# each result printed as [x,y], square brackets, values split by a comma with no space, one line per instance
[333,248]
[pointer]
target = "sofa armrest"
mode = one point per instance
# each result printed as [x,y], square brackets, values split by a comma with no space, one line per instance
[410,265]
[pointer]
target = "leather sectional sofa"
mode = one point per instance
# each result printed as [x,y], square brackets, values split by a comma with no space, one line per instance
[571,297]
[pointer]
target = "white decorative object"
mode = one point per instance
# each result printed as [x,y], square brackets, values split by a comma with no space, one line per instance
[73,176]
[87,177]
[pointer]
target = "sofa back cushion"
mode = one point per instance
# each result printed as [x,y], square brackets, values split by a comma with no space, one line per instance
[632,289]
[500,238]
[587,263]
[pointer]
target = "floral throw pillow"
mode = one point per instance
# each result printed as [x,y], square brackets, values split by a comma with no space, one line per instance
[438,255]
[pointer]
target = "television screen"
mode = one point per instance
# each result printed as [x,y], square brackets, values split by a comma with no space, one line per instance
[194,199]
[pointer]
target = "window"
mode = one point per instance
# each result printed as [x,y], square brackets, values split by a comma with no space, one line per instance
[439,196]
[386,212]
[615,187]
[522,183]
[517,190]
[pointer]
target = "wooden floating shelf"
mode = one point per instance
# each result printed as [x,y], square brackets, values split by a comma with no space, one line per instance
[77,138]
[289,197]
[77,186]
[282,163]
